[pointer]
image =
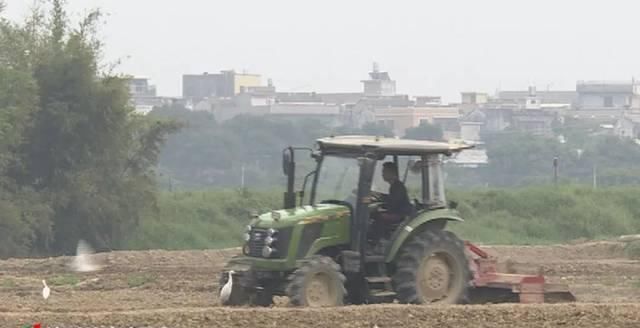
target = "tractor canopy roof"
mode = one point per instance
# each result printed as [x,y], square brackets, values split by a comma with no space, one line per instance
[347,145]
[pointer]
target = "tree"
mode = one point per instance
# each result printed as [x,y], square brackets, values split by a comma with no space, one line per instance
[425,131]
[24,213]
[71,144]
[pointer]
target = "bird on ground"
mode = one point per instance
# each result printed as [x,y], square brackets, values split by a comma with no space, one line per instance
[45,291]
[225,291]
[83,262]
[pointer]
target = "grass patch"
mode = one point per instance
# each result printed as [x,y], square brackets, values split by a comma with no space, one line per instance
[523,216]
[547,214]
[63,280]
[137,280]
[200,220]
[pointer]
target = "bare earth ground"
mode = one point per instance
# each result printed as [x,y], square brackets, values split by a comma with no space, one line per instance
[178,289]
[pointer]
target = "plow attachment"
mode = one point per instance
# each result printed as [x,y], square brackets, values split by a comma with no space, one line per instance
[491,286]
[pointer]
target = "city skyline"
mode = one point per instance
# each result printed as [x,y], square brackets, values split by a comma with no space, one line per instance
[438,49]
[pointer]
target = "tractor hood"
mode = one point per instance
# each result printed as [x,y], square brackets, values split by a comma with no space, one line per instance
[301,215]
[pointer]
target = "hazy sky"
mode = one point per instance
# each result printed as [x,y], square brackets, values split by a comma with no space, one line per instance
[430,47]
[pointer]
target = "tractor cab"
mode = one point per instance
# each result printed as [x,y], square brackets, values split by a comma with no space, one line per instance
[349,171]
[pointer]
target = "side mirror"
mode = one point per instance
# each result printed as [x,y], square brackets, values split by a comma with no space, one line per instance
[287,158]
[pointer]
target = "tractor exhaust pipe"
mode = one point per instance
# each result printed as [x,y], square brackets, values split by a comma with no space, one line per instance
[289,169]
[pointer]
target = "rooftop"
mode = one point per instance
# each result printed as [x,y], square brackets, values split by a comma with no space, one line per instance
[380,76]
[632,116]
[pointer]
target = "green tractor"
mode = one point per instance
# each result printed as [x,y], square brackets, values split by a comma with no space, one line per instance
[315,250]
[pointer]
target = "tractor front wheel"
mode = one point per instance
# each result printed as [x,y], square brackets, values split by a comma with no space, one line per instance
[318,283]
[432,268]
[262,298]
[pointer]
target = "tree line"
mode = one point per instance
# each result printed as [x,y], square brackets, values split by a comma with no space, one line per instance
[206,153]
[211,154]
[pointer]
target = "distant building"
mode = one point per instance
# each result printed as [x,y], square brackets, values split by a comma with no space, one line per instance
[140,87]
[387,102]
[568,98]
[605,116]
[428,101]
[341,98]
[399,119]
[534,121]
[471,126]
[474,98]
[607,95]
[379,84]
[329,98]
[497,117]
[144,97]
[330,114]
[470,158]
[628,126]
[471,101]
[202,86]
[225,84]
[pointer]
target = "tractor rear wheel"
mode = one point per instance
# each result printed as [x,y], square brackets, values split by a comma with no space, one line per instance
[318,283]
[432,268]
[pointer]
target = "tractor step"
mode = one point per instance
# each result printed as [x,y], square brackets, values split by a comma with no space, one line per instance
[378,280]
[383,294]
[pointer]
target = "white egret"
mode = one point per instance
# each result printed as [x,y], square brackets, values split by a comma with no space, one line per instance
[45,291]
[225,292]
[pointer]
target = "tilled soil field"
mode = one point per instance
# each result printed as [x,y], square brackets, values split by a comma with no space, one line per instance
[178,289]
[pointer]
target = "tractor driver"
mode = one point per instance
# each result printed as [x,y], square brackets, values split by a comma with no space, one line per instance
[396,205]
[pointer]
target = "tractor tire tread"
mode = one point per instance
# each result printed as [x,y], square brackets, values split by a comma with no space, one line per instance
[411,255]
[297,279]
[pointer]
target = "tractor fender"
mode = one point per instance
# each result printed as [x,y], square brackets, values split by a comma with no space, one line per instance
[418,223]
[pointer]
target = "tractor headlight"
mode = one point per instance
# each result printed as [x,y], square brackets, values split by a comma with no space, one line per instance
[247,233]
[272,232]
[268,251]
[270,240]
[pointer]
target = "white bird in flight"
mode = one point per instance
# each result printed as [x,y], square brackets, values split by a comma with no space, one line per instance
[225,292]
[83,262]
[45,291]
